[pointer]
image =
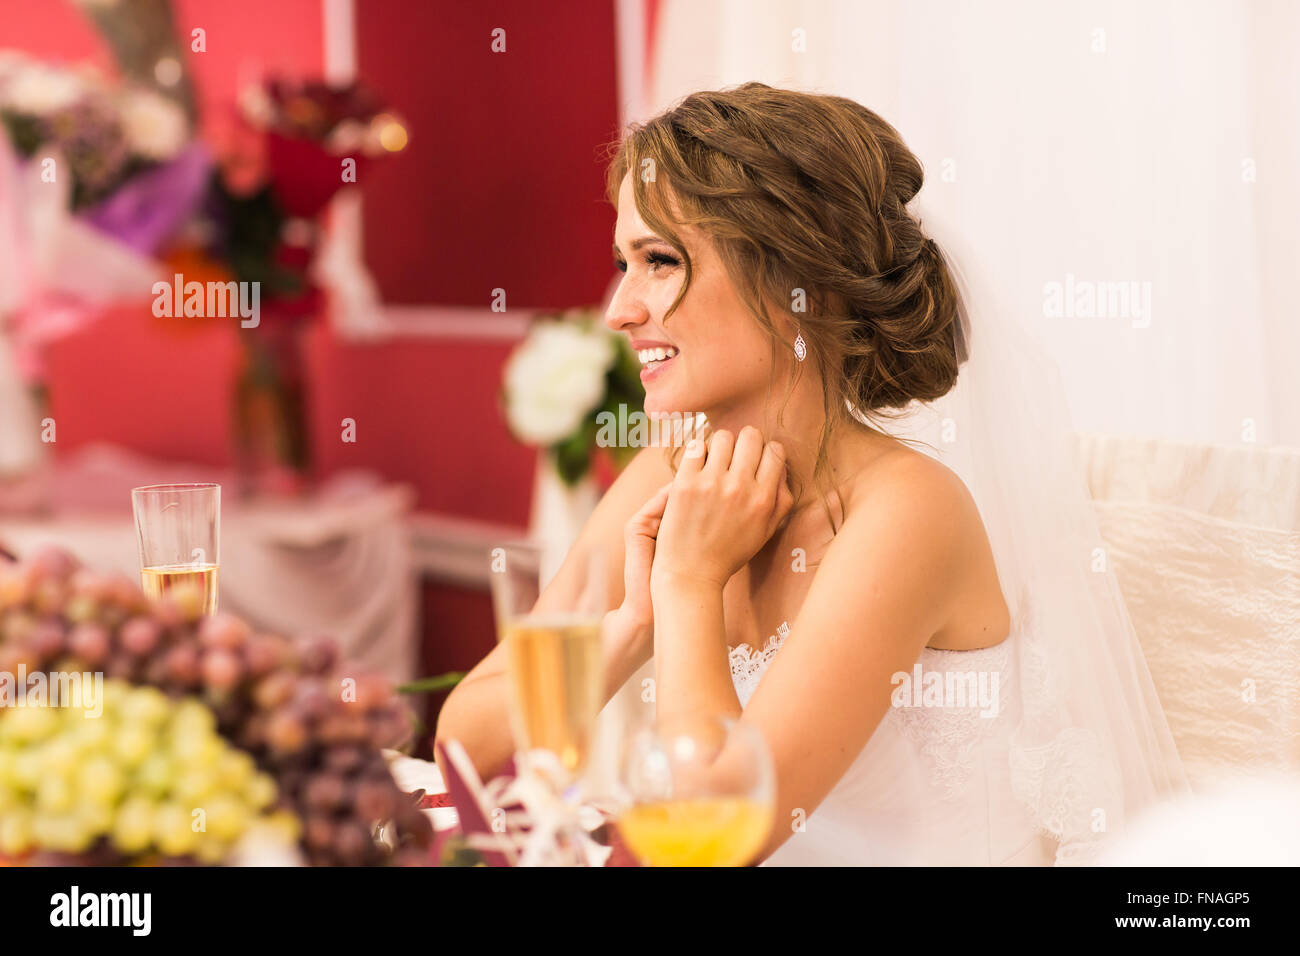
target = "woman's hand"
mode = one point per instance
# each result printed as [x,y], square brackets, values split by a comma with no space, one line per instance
[722,507]
[634,618]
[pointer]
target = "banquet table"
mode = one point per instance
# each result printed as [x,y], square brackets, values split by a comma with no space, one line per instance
[335,562]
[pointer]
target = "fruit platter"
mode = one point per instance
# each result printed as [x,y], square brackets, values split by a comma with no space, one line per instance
[141,731]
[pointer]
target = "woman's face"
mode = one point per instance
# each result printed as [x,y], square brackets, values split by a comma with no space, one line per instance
[711,355]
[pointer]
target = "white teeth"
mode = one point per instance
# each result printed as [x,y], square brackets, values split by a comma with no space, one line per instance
[655,355]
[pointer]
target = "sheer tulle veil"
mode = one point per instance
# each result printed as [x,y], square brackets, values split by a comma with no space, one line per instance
[1093,747]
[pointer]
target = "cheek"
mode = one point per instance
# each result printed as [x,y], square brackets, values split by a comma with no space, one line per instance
[725,359]
[739,344]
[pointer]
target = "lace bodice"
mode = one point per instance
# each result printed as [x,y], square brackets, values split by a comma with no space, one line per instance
[748,665]
[937,782]
[945,732]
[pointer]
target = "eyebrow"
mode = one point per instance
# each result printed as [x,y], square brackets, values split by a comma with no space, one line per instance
[638,243]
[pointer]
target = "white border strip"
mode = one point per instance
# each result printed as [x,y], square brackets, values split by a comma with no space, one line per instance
[338,26]
[339,54]
[449,322]
[629,37]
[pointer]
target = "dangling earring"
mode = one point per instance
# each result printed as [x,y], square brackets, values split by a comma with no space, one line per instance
[800,347]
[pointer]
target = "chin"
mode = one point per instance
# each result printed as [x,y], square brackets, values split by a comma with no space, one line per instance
[661,398]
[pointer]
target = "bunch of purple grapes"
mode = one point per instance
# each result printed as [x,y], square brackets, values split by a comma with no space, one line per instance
[306,718]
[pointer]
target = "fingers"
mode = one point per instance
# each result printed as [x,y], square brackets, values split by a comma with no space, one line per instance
[724,452]
[771,467]
[692,457]
[748,452]
[781,509]
[654,508]
[646,520]
[784,502]
[721,446]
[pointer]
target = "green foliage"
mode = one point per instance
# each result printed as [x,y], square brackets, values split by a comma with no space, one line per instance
[429,685]
[623,386]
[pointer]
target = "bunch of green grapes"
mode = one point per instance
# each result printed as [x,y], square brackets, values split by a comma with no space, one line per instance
[304,717]
[134,775]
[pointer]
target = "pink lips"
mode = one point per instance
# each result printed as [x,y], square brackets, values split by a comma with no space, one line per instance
[647,373]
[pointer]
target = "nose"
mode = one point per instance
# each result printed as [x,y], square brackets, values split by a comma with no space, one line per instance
[626,311]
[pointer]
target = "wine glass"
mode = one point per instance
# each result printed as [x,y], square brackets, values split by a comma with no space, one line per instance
[179,531]
[554,654]
[701,792]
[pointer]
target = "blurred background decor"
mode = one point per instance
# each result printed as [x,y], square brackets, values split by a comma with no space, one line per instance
[94,175]
[314,139]
[119,156]
[1205,542]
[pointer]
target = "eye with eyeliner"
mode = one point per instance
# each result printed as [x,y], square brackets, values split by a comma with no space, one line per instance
[652,259]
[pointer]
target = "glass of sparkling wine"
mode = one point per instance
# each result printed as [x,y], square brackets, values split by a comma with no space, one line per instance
[554,650]
[700,791]
[179,531]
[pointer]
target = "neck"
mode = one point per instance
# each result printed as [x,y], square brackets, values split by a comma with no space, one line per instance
[799,431]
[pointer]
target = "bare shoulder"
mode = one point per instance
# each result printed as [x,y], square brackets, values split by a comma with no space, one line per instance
[923,506]
[905,500]
[904,479]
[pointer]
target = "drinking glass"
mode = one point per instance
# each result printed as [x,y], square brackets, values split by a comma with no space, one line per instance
[179,529]
[554,651]
[700,791]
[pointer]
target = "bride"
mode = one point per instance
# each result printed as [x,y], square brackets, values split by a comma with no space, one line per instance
[940,670]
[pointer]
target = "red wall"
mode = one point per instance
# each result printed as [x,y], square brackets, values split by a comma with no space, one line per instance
[501,186]
[426,412]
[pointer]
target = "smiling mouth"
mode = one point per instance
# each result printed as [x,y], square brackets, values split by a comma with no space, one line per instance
[652,359]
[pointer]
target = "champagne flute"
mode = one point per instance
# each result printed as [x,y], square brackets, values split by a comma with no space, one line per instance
[554,652]
[179,531]
[701,792]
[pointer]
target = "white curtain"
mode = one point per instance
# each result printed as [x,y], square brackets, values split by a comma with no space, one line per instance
[1143,154]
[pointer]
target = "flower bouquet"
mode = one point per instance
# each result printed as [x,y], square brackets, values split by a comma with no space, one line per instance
[94,178]
[298,144]
[569,371]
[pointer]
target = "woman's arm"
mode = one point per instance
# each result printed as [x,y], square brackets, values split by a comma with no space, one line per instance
[476,713]
[725,501]
[883,589]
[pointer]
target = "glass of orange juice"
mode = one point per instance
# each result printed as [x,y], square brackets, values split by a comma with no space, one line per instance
[179,532]
[701,791]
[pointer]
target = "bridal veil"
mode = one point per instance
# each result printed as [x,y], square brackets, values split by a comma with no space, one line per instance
[1092,747]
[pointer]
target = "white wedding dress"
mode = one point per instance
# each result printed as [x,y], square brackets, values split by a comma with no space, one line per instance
[932,786]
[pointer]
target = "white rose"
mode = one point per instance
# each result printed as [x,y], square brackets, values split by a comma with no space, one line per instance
[555,379]
[38,90]
[155,126]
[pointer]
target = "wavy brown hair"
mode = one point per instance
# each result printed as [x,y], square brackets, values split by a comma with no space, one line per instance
[805,197]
